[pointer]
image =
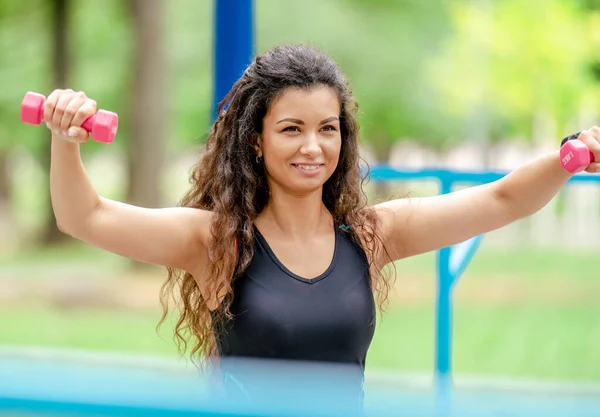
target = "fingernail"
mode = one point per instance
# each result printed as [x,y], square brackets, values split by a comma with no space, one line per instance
[48,125]
[72,132]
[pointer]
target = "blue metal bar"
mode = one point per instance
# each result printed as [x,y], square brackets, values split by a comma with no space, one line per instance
[451,261]
[461,255]
[443,350]
[383,173]
[233,44]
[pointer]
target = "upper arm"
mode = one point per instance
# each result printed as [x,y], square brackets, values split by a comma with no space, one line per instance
[412,226]
[173,237]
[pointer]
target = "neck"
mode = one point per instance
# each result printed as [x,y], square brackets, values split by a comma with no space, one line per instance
[296,216]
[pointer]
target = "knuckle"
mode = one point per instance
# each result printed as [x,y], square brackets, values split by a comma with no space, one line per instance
[80,94]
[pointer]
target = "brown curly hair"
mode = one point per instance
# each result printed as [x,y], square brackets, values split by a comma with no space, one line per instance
[230,183]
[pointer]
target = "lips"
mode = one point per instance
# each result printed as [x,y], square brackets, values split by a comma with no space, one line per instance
[308,167]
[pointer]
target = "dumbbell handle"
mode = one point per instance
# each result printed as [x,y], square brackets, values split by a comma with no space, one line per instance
[88,124]
[575,156]
[102,125]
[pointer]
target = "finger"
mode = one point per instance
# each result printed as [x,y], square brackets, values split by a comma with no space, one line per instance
[50,105]
[78,134]
[595,146]
[59,110]
[593,168]
[591,139]
[88,109]
[70,110]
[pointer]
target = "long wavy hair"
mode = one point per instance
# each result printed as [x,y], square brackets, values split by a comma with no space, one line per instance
[230,182]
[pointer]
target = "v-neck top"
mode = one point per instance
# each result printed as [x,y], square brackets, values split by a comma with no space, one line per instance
[280,315]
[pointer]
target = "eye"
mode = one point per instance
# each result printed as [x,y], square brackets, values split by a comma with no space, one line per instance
[291,129]
[330,128]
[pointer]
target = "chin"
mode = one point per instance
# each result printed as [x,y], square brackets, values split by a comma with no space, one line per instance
[305,187]
[299,185]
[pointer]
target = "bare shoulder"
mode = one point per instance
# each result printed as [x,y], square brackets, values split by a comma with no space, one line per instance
[174,237]
[198,224]
[199,221]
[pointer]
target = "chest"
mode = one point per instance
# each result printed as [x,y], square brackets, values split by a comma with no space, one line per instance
[278,313]
[332,319]
[308,260]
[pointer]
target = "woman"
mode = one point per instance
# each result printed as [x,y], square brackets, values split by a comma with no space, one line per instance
[274,250]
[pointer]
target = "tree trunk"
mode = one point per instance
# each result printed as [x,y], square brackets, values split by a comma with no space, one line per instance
[147,149]
[381,151]
[8,230]
[478,128]
[5,189]
[60,69]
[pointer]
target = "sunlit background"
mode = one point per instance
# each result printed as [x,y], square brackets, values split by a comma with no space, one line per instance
[455,84]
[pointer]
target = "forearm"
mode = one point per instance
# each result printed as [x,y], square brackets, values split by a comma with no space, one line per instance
[74,198]
[530,187]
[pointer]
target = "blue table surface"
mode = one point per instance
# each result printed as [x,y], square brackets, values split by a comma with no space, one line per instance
[70,385]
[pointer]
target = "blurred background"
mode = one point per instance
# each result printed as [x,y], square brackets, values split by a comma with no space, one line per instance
[464,84]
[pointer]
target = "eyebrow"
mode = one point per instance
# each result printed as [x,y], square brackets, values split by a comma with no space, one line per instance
[300,122]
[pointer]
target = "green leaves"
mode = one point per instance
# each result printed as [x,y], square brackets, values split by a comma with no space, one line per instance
[435,71]
[518,60]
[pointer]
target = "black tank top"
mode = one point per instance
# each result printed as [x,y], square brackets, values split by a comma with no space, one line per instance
[280,315]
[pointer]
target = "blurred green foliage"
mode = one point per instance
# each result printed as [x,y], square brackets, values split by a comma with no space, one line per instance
[438,72]
[420,69]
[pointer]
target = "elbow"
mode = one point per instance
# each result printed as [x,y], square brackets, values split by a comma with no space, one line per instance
[65,228]
[510,205]
[76,226]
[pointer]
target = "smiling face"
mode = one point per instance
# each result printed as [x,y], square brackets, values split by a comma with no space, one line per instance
[301,139]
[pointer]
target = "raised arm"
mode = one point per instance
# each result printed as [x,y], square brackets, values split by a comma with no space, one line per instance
[175,237]
[417,225]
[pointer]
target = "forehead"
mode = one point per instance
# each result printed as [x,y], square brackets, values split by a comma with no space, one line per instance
[318,101]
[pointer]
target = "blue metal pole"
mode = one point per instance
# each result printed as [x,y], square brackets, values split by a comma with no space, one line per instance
[233,45]
[444,308]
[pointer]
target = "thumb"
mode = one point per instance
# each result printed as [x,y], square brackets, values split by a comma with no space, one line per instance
[78,134]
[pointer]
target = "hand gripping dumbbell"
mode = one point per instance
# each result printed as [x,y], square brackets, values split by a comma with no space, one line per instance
[575,156]
[102,125]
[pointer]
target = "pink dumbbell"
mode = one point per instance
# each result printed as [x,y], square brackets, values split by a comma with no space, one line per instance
[103,125]
[575,156]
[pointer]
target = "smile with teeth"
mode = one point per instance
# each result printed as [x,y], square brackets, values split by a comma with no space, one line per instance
[308,167]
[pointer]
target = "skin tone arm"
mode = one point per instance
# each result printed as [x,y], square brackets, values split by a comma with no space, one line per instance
[419,225]
[174,237]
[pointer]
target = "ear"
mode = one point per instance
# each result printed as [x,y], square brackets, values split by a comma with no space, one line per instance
[258,146]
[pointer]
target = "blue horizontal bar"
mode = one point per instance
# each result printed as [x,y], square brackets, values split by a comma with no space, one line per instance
[382,173]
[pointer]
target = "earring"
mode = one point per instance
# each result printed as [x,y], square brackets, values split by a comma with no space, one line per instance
[258,159]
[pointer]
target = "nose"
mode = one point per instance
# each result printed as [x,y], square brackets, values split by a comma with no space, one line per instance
[311,146]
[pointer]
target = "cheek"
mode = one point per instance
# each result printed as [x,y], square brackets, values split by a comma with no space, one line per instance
[334,149]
